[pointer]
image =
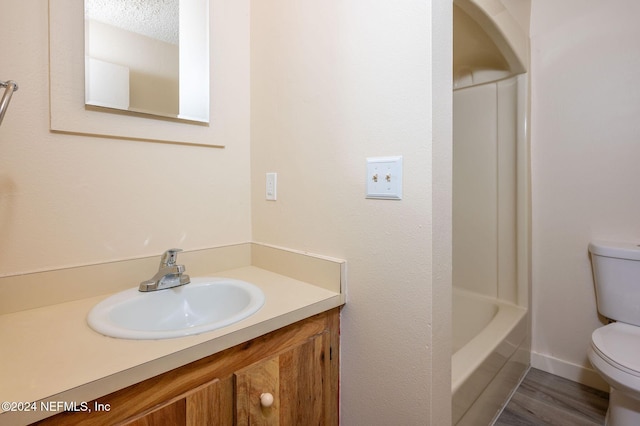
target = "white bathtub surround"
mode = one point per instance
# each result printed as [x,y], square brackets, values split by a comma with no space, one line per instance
[491,339]
[491,202]
[491,355]
[488,178]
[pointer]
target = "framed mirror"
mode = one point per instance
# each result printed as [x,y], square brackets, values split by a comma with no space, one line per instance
[148,56]
[69,112]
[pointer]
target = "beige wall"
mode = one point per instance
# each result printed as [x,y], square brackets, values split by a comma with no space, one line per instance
[69,200]
[585,151]
[333,83]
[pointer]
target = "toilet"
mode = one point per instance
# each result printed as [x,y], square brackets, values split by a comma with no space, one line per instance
[615,348]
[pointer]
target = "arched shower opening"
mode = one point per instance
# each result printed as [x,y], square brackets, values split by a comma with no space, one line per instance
[491,333]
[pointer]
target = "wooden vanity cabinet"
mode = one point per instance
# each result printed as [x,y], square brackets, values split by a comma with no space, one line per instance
[293,380]
[297,365]
[199,406]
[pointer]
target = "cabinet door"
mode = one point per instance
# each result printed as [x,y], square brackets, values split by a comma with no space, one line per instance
[294,378]
[202,406]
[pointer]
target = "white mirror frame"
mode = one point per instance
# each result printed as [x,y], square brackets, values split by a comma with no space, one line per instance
[66,86]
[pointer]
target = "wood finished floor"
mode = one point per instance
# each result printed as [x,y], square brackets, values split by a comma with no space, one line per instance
[545,399]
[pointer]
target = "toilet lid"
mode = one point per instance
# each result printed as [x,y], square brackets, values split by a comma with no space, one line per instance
[620,343]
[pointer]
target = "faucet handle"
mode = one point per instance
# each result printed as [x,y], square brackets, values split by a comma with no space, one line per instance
[169,257]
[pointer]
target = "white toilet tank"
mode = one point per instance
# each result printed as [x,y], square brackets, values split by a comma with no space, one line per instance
[616,271]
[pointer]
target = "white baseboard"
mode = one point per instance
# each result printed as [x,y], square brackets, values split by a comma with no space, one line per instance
[577,373]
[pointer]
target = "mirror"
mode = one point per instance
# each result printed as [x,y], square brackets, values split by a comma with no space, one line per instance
[148,56]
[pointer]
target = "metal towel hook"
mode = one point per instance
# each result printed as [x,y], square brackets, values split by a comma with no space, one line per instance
[10,87]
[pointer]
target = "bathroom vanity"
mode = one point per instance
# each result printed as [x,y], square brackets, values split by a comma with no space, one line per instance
[278,366]
[294,370]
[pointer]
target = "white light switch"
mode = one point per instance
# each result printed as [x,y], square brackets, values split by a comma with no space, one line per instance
[272,186]
[384,177]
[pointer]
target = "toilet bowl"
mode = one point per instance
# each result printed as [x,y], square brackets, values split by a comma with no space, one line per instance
[615,348]
[615,355]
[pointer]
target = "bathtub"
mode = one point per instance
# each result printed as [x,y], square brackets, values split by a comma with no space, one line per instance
[490,355]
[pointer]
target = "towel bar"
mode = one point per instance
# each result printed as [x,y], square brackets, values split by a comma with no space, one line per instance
[10,87]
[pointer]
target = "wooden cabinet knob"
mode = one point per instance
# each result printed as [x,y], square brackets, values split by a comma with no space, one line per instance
[266,400]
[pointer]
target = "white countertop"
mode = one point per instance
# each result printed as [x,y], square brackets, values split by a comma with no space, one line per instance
[51,354]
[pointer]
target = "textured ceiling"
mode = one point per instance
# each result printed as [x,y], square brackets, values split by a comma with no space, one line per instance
[153,18]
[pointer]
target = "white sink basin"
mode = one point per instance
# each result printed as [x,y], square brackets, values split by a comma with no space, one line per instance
[203,305]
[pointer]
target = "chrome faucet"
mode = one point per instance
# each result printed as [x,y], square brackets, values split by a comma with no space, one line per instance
[169,274]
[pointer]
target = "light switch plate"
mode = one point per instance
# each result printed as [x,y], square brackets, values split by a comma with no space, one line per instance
[384,178]
[271,187]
